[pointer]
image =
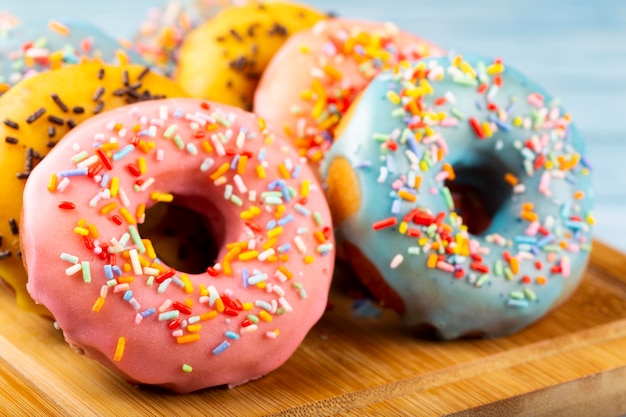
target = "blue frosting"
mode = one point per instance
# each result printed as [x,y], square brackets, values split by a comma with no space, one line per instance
[13,66]
[529,141]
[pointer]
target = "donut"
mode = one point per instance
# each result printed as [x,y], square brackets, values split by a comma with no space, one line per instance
[463,196]
[34,116]
[107,287]
[36,46]
[223,59]
[159,37]
[312,80]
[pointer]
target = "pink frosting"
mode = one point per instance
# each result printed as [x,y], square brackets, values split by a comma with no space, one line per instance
[245,327]
[343,56]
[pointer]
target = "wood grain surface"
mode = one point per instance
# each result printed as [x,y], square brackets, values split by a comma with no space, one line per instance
[572,362]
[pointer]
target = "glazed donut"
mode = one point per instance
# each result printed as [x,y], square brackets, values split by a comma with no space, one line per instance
[108,290]
[160,36]
[36,46]
[477,135]
[35,114]
[224,58]
[317,74]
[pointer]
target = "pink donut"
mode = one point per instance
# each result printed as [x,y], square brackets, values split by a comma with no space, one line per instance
[315,76]
[118,302]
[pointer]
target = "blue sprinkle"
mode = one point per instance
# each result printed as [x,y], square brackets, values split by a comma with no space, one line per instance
[178,281]
[585,162]
[272,185]
[412,142]
[147,313]
[270,225]
[178,113]
[283,189]
[233,164]
[222,347]
[502,125]
[261,155]
[117,270]
[510,109]
[105,180]
[296,171]
[395,206]
[526,239]
[122,152]
[302,210]
[284,247]
[390,165]
[76,172]
[479,105]
[574,225]
[108,272]
[511,302]
[546,240]
[566,210]
[244,277]
[285,220]
[363,164]
[231,335]
[128,294]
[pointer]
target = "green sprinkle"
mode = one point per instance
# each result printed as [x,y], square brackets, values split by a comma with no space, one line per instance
[482,280]
[169,132]
[497,268]
[221,120]
[236,200]
[150,281]
[253,318]
[169,315]
[79,157]
[381,137]
[447,196]
[517,295]
[465,80]
[398,113]
[508,274]
[134,235]
[457,113]
[69,258]
[187,368]
[317,217]
[86,270]
[530,294]
[271,200]
[551,248]
[414,250]
[179,142]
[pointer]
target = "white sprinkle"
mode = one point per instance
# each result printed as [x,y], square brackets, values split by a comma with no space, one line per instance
[396,261]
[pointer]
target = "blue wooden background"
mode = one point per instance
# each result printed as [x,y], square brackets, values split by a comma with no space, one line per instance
[574,48]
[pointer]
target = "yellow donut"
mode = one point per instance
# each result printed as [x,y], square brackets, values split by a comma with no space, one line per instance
[35,114]
[223,59]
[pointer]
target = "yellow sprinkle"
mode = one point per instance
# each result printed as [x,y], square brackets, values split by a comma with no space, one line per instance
[262,124]
[106,209]
[188,338]
[495,68]
[119,350]
[149,248]
[97,306]
[219,305]
[220,171]
[144,147]
[115,186]
[122,57]
[285,272]
[393,97]
[590,219]
[467,68]
[81,231]
[228,270]
[283,257]
[309,259]
[140,213]
[318,108]
[517,121]
[423,166]
[142,165]
[209,315]
[241,164]
[333,72]
[432,260]
[194,328]
[247,306]
[487,129]
[274,232]
[265,316]
[59,27]
[260,171]
[304,189]
[249,255]
[188,285]
[418,182]
[283,171]
[127,215]
[93,231]
[407,196]
[268,244]
[403,228]
[304,49]
[52,182]
[162,197]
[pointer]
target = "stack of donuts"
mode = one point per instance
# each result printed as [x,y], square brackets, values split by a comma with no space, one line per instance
[175,202]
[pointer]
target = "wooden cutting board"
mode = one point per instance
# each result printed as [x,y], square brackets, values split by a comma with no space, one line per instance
[572,362]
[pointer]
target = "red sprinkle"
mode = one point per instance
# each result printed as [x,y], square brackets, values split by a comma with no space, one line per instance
[212,271]
[165,275]
[174,324]
[382,224]
[479,267]
[67,205]
[117,219]
[477,128]
[134,170]
[181,307]
[106,161]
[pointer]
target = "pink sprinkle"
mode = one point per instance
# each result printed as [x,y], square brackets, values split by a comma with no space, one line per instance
[535,100]
[533,228]
[397,184]
[566,267]
[444,266]
[544,184]
[449,122]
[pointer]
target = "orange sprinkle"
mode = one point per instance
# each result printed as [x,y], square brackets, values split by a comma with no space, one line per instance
[541,280]
[206,146]
[223,169]
[284,172]
[219,305]
[529,216]
[106,209]
[119,349]
[141,211]
[59,27]
[333,72]
[511,179]
[528,207]
[188,338]
[285,272]
[209,315]
[514,264]
[93,231]
[418,182]
[319,236]
[241,164]
[448,168]
[97,306]
[432,260]
[405,195]
[579,195]
[265,316]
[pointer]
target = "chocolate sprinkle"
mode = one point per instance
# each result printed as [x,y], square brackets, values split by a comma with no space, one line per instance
[11,140]
[13,226]
[71,123]
[52,131]
[5,254]
[56,120]
[143,73]
[59,102]
[101,73]
[99,107]
[78,110]
[11,124]
[98,94]
[36,115]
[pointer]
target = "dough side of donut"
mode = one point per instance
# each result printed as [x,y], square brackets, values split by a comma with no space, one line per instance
[312,80]
[530,166]
[82,90]
[238,321]
[223,59]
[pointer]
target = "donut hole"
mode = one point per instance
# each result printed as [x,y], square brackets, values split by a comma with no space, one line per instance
[184,238]
[479,193]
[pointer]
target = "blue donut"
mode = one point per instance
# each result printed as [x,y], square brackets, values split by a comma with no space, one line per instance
[463,196]
[72,40]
